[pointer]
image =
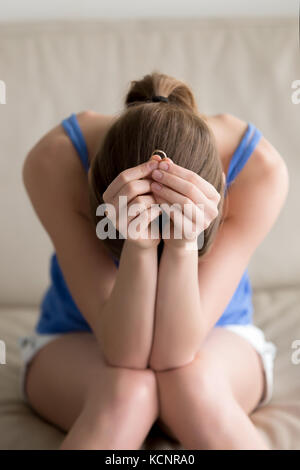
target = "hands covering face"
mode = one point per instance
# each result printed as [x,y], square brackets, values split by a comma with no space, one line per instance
[190,202]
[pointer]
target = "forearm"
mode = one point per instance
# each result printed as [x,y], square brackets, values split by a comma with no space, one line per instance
[178,320]
[127,319]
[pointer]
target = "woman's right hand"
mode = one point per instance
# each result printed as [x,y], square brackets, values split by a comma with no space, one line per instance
[132,216]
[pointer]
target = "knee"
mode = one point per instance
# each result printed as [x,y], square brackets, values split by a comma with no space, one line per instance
[212,400]
[135,386]
[203,390]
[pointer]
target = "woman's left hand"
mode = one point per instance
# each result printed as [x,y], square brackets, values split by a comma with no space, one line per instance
[195,202]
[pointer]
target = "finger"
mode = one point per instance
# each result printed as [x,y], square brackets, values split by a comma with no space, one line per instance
[121,210]
[149,215]
[192,213]
[142,221]
[177,170]
[183,227]
[139,205]
[187,205]
[128,175]
[126,213]
[132,190]
[156,157]
[181,185]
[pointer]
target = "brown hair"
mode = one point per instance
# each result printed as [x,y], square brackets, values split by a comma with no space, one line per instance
[175,127]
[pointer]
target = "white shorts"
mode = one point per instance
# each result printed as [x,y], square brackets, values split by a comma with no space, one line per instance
[30,344]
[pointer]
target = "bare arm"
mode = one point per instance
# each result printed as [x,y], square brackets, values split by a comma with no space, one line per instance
[128,315]
[185,314]
[255,201]
[126,322]
[57,187]
[178,324]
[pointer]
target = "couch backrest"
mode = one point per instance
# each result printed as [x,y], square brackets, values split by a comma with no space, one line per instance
[243,66]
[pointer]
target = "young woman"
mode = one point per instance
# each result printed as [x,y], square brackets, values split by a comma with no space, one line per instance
[138,329]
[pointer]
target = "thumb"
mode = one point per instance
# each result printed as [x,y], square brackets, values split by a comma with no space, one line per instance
[155,157]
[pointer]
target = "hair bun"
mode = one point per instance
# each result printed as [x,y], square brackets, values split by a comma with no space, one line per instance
[157,87]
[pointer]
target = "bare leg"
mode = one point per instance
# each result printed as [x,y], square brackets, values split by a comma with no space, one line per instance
[205,404]
[70,385]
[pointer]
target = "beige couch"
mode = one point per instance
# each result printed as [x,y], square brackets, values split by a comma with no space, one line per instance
[242,66]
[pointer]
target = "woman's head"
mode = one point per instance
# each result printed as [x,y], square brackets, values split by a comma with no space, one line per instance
[175,127]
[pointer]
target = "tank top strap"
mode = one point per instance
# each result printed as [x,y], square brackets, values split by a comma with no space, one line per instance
[243,152]
[73,130]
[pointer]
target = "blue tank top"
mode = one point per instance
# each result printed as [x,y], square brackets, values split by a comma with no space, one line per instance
[58,310]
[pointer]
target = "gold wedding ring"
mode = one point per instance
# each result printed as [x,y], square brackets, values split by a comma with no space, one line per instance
[161,153]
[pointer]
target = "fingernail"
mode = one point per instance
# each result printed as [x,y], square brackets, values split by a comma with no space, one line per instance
[155,157]
[157,174]
[164,166]
[156,186]
[153,164]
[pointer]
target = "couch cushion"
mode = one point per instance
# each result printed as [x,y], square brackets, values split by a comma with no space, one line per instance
[276,311]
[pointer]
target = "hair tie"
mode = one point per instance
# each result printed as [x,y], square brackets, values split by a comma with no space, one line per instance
[159,98]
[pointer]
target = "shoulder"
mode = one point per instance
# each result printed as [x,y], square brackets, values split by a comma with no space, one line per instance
[263,183]
[228,131]
[265,161]
[52,167]
[55,148]
[258,193]
[91,125]
[265,165]
[94,127]
[227,121]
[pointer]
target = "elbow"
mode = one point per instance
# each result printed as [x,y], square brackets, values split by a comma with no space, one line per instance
[178,353]
[119,356]
[114,346]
